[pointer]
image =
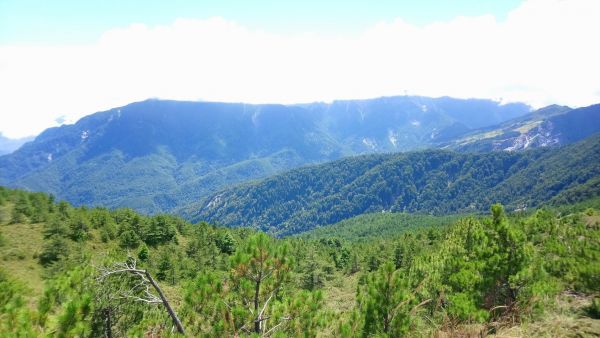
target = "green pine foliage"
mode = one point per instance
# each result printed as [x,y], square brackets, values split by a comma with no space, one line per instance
[412,275]
[16,319]
[381,225]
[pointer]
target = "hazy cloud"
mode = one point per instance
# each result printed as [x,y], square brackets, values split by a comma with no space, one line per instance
[544,52]
[61,119]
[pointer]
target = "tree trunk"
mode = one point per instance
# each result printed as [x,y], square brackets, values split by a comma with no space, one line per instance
[108,323]
[386,323]
[256,305]
[165,302]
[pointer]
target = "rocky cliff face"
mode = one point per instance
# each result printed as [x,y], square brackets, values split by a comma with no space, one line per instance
[547,127]
[543,135]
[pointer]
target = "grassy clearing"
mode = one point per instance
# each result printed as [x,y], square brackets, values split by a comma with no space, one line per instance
[527,127]
[340,293]
[18,255]
[568,318]
[592,221]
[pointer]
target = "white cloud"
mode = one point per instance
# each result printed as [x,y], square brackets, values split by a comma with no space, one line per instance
[544,52]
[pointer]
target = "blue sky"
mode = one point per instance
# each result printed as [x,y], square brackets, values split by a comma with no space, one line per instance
[61,60]
[76,21]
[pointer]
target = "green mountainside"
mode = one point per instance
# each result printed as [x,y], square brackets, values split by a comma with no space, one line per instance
[161,156]
[434,182]
[379,225]
[155,156]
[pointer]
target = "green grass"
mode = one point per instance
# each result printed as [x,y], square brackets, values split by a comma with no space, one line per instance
[566,319]
[340,293]
[5,213]
[18,255]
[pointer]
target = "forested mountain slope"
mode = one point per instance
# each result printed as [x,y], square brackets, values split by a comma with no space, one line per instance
[432,181]
[156,155]
[378,225]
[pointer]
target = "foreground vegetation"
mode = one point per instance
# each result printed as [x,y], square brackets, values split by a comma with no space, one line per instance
[82,272]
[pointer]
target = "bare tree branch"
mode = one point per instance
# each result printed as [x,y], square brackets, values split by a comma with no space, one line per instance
[283,321]
[262,311]
[146,281]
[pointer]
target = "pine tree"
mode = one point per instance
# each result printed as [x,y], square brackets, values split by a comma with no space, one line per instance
[383,302]
[312,277]
[226,243]
[16,319]
[79,228]
[260,269]
[143,253]
[160,230]
[129,239]
[21,210]
[166,267]
[55,248]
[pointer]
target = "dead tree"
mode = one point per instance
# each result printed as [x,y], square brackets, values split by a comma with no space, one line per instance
[142,290]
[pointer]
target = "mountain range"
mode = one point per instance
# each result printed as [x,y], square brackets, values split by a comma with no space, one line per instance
[165,156]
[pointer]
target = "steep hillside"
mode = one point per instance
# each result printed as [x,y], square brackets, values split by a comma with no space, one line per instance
[155,155]
[433,181]
[550,126]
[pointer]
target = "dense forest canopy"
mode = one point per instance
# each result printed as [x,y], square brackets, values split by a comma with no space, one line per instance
[432,181]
